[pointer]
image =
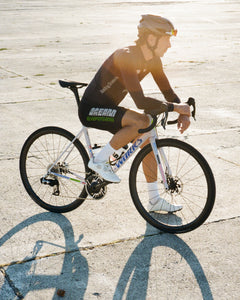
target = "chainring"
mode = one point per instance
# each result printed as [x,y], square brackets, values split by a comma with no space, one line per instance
[96,187]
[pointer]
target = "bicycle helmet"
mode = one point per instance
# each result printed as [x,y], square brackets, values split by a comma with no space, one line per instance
[156,25]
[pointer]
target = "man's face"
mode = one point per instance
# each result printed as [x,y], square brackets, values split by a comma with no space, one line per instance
[162,46]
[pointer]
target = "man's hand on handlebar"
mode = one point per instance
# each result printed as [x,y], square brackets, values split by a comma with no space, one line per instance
[182,109]
[183,123]
[184,116]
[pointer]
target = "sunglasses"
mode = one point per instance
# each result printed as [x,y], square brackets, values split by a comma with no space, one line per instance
[173,32]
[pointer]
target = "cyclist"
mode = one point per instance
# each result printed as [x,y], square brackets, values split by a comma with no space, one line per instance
[120,74]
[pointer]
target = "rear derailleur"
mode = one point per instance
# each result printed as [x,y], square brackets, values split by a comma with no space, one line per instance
[51,182]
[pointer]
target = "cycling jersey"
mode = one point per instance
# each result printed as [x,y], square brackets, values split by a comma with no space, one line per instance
[120,74]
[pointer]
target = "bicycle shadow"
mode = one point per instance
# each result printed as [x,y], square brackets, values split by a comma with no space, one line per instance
[133,282]
[74,268]
[134,279]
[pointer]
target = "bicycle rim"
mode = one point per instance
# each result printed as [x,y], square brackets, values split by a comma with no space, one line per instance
[191,184]
[38,154]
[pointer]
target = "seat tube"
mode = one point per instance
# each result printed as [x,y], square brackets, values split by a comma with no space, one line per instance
[88,142]
[158,160]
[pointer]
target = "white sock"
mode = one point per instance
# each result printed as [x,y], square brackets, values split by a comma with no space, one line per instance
[104,154]
[153,192]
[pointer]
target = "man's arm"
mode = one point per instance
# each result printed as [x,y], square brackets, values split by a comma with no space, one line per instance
[131,82]
[162,81]
[164,86]
[151,105]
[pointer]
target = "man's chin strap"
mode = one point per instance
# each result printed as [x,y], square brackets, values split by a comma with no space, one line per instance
[154,47]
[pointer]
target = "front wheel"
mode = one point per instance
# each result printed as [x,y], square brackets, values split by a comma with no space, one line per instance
[41,150]
[190,184]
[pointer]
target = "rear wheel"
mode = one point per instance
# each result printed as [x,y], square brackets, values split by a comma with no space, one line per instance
[54,192]
[191,184]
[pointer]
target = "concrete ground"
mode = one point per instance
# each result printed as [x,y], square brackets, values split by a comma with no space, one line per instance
[104,249]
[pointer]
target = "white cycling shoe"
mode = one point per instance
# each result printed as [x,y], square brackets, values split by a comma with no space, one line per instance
[162,205]
[104,170]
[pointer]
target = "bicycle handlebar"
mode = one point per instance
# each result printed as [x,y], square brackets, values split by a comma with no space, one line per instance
[190,102]
[152,125]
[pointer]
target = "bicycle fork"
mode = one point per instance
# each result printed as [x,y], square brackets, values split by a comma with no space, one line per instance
[159,162]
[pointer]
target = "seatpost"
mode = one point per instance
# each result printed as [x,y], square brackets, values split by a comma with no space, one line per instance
[75,92]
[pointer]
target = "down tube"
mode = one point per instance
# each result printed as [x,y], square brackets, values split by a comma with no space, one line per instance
[135,146]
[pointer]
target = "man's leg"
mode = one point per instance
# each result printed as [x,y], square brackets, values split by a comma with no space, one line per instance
[131,122]
[149,166]
[156,202]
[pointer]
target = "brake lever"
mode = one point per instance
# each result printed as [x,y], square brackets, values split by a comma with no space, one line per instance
[191,102]
[164,120]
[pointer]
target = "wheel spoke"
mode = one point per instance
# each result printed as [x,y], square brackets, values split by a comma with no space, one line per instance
[39,153]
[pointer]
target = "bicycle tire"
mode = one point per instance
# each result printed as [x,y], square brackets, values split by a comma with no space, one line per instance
[38,153]
[196,193]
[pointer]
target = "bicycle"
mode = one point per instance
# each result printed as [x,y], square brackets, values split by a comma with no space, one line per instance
[54,171]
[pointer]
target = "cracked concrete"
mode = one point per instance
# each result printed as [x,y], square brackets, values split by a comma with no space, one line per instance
[104,249]
[148,267]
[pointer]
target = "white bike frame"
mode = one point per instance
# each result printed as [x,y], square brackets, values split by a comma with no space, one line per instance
[151,135]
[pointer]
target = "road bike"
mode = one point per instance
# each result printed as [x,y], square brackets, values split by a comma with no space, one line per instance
[54,171]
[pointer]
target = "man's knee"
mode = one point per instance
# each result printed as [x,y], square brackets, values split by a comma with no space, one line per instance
[141,120]
[135,119]
[145,120]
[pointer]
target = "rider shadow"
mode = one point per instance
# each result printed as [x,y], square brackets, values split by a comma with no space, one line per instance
[133,282]
[73,278]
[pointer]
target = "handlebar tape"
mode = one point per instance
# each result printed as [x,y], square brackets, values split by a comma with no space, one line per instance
[152,125]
